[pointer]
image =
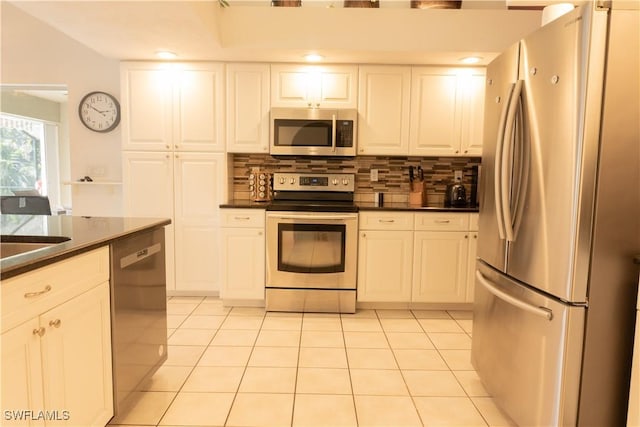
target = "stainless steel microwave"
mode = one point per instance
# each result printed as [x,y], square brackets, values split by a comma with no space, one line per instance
[313,132]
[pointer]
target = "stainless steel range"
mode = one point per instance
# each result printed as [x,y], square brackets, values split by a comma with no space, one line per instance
[312,243]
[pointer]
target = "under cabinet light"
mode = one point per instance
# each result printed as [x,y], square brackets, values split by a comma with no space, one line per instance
[471,60]
[313,57]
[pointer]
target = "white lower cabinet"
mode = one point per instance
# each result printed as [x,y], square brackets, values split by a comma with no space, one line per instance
[421,257]
[385,256]
[440,270]
[243,256]
[56,362]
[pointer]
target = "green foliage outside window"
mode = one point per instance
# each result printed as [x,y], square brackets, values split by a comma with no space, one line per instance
[20,160]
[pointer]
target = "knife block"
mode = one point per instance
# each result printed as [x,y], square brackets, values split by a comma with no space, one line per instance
[418,193]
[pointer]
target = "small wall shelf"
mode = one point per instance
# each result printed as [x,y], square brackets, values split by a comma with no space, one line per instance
[92,183]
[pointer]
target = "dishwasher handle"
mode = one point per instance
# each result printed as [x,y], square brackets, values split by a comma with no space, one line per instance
[538,311]
[139,255]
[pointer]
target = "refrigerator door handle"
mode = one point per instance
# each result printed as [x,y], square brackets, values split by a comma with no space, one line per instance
[522,175]
[498,166]
[538,311]
[506,160]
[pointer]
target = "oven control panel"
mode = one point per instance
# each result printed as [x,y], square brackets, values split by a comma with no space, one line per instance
[343,182]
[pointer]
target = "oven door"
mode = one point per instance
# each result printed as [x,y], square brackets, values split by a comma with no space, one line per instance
[312,250]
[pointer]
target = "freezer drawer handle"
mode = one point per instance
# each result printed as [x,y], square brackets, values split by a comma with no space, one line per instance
[538,311]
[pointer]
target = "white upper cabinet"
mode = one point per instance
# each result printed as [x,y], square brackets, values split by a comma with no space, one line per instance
[248,108]
[383,108]
[314,86]
[446,111]
[172,106]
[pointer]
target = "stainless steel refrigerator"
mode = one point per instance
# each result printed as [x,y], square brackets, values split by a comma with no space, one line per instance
[560,220]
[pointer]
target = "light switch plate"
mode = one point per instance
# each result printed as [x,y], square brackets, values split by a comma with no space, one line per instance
[374,175]
[457,176]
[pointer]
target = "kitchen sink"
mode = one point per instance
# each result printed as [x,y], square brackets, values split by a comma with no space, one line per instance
[16,245]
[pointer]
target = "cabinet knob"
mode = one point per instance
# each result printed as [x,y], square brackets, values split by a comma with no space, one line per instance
[475,236]
[466,236]
[168,146]
[364,234]
[466,151]
[55,323]
[176,146]
[177,156]
[260,233]
[457,151]
[40,331]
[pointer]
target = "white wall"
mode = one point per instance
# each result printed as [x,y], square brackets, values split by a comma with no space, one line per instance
[34,53]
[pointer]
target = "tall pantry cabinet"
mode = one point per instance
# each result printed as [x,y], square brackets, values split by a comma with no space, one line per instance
[174,165]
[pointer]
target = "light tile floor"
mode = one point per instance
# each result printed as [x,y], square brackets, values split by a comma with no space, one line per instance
[244,367]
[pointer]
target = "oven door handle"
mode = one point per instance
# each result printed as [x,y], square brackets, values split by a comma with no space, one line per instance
[315,217]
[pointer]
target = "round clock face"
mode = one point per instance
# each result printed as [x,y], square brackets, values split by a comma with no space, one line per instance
[99,111]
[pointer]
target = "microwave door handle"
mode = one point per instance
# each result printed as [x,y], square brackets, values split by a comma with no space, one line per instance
[333,133]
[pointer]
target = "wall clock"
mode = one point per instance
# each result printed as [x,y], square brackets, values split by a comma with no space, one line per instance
[99,111]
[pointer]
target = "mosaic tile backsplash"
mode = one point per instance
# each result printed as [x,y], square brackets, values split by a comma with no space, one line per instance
[393,173]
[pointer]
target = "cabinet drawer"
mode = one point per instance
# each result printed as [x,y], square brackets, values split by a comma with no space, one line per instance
[386,221]
[29,294]
[243,218]
[473,221]
[442,221]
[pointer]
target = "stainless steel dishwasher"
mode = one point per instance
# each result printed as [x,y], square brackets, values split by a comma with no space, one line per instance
[138,312]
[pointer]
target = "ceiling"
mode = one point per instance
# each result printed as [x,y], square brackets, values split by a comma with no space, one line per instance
[251,30]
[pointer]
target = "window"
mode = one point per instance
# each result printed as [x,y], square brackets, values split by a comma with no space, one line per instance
[28,156]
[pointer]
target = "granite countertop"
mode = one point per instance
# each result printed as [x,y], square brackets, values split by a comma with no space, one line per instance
[363,206]
[85,234]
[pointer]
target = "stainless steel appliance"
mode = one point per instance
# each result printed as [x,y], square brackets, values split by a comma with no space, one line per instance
[138,312]
[313,132]
[312,243]
[555,288]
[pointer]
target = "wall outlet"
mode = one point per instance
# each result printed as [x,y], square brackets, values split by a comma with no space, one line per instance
[457,176]
[374,175]
[97,171]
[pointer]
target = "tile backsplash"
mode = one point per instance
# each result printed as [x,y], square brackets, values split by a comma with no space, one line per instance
[393,173]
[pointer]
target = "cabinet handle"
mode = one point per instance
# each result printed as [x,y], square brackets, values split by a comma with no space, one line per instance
[242,218]
[442,221]
[37,294]
[40,331]
[55,323]
[387,220]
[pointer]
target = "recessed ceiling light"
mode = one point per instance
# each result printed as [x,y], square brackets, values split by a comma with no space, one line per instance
[165,54]
[471,60]
[313,57]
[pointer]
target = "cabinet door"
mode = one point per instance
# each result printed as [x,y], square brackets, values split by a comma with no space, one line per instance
[243,264]
[471,87]
[199,190]
[76,358]
[313,86]
[248,108]
[146,106]
[384,266]
[383,107]
[21,375]
[148,192]
[440,268]
[199,108]
[435,114]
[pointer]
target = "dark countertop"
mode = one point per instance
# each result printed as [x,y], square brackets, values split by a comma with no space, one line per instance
[363,206]
[85,233]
